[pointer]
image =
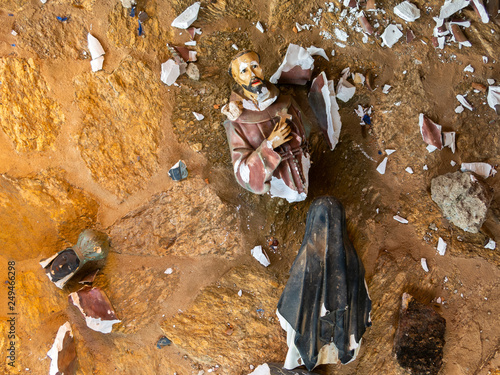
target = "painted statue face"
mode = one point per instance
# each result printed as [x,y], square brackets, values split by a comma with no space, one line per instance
[65,263]
[247,72]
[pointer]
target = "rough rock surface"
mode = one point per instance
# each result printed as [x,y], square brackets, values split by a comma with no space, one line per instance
[120,139]
[41,214]
[463,199]
[419,340]
[32,118]
[188,220]
[222,328]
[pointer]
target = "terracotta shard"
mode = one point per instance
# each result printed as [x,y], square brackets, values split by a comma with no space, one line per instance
[493,6]
[479,87]
[431,132]
[365,24]
[95,307]
[409,35]
[183,52]
[89,278]
[458,34]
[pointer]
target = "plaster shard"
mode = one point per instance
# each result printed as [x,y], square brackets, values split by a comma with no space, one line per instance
[423,262]
[431,132]
[409,170]
[261,370]
[402,220]
[450,7]
[481,10]
[324,105]
[260,255]
[441,246]
[63,352]
[449,140]
[490,245]
[186,18]
[469,68]
[407,11]
[391,35]
[170,71]
[345,89]
[494,98]
[484,170]
[382,166]
[297,66]
[96,52]
[386,89]
[365,24]
[198,116]
[259,27]
[95,308]
[464,102]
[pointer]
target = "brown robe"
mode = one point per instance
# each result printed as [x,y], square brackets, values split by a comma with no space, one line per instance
[257,167]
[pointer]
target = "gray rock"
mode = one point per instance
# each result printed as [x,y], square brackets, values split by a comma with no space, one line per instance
[193,72]
[463,198]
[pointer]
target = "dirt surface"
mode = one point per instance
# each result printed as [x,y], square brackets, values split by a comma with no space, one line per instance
[102,144]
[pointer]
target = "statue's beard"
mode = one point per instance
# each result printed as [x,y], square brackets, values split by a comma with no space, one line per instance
[255,89]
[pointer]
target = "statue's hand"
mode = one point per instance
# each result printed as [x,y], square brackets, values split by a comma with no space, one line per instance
[233,110]
[280,133]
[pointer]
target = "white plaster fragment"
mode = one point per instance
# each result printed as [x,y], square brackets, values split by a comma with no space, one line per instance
[382,166]
[191,43]
[494,98]
[407,11]
[96,52]
[259,27]
[409,170]
[485,59]
[240,293]
[469,68]
[57,346]
[490,81]
[441,246]
[198,116]
[170,71]
[450,7]
[400,219]
[425,167]
[391,35]
[482,169]
[459,109]
[260,255]
[423,263]
[491,245]
[169,271]
[186,18]
[449,140]
[345,89]
[297,56]
[389,151]
[386,89]
[453,163]
[464,102]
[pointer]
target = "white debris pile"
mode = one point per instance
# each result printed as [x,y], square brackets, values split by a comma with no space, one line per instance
[407,11]
[186,18]
[260,255]
[96,52]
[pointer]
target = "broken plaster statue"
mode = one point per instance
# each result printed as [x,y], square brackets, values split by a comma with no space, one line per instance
[266,133]
[91,246]
[63,352]
[325,307]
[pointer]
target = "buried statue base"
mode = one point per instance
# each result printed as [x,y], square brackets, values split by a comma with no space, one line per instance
[325,307]
[91,246]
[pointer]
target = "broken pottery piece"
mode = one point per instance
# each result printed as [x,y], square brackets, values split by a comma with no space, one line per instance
[402,220]
[324,105]
[259,27]
[382,166]
[193,31]
[345,89]
[386,89]
[407,11]
[95,307]
[325,307]
[450,7]
[96,52]
[143,16]
[277,369]
[441,246]
[484,170]
[186,18]
[423,263]
[91,246]
[494,98]
[391,35]
[464,102]
[89,278]
[420,337]
[459,109]
[179,171]
[183,52]
[409,170]
[198,116]
[260,255]
[365,24]
[481,10]
[459,36]
[490,245]
[449,140]
[463,199]
[431,132]
[410,35]
[469,69]
[63,352]
[297,66]
[170,71]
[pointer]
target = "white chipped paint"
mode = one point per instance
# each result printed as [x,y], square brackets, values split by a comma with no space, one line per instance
[400,219]
[260,255]
[491,245]
[423,263]
[245,173]
[57,346]
[441,246]
[382,166]
[281,190]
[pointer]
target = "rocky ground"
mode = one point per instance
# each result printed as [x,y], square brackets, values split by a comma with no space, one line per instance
[81,149]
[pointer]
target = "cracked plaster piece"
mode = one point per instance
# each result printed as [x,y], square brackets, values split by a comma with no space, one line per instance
[260,255]
[450,7]
[459,36]
[449,140]
[365,24]
[324,105]
[391,35]
[95,308]
[490,81]
[297,66]
[494,97]
[170,71]
[402,220]
[382,166]
[198,116]
[386,89]
[409,170]
[407,11]
[469,68]
[96,52]
[168,271]
[63,352]
[484,170]
[441,246]
[431,132]
[481,10]
[423,263]
[459,109]
[345,89]
[259,27]
[389,151]
[186,18]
